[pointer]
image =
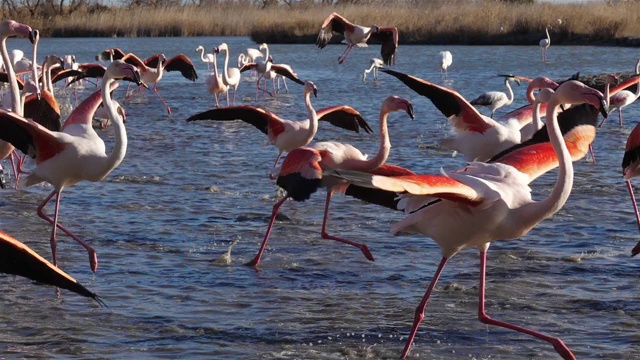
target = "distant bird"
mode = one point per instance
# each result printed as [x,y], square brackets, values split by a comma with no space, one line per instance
[301,172]
[446,59]
[287,135]
[494,100]
[249,56]
[264,67]
[214,82]
[208,59]
[358,35]
[493,201]
[77,153]
[230,76]
[110,55]
[630,170]
[153,68]
[375,65]
[544,44]
[17,258]
[622,98]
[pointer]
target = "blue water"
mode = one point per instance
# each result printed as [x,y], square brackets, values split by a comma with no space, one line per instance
[163,220]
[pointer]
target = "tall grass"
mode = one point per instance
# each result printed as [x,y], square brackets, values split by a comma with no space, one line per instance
[432,22]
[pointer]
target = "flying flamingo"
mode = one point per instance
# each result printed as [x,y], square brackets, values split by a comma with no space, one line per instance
[17,258]
[301,172]
[446,59]
[77,153]
[153,68]
[623,98]
[287,135]
[630,170]
[230,76]
[375,65]
[208,59]
[497,99]
[493,201]
[544,44]
[358,35]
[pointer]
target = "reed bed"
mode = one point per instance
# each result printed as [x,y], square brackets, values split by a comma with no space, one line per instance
[432,22]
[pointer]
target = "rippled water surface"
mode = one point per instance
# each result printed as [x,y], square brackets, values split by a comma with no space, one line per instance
[162,221]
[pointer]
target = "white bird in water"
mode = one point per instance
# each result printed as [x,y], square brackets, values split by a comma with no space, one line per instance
[375,65]
[445,61]
[544,44]
[494,100]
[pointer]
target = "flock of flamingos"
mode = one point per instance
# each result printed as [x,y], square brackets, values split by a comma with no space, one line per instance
[488,200]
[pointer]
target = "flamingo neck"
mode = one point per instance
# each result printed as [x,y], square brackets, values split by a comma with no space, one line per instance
[537,122]
[225,73]
[562,188]
[313,117]
[120,146]
[202,54]
[241,60]
[34,63]
[548,37]
[49,84]
[16,106]
[606,92]
[384,149]
[510,98]
[638,67]
[215,65]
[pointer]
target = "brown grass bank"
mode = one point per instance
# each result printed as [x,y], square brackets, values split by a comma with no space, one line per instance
[430,22]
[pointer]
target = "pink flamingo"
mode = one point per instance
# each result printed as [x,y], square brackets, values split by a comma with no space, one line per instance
[77,153]
[358,35]
[620,97]
[492,202]
[17,258]
[287,135]
[301,172]
[630,170]
[153,68]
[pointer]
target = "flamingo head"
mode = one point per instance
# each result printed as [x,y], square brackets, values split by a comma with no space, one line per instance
[34,36]
[119,69]
[162,59]
[263,46]
[310,87]
[52,60]
[375,29]
[575,92]
[30,87]
[543,95]
[270,59]
[538,83]
[216,50]
[223,46]
[511,77]
[200,48]
[13,28]
[396,103]
[611,79]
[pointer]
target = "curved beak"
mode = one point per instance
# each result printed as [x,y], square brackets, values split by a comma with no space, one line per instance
[603,107]
[315,92]
[410,111]
[32,36]
[1,178]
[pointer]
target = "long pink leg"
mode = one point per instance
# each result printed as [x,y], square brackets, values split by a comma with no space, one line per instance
[620,116]
[276,207]
[14,167]
[419,315]
[275,164]
[344,55]
[560,347]
[261,89]
[362,247]
[593,155]
[93,256]
[155,90]
[636,249]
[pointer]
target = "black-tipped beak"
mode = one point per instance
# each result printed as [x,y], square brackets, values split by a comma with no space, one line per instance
[315,92]
[636,250]
[603,108]
[216,50]
[32,36]
[517,81]
[410,111]
[1,179]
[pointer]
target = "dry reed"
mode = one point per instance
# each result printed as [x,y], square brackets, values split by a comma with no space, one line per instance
[432,22]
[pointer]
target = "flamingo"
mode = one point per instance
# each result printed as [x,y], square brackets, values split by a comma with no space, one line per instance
[301,172]
[375,65]
[230,76]
[268,70]
[153,68]
[358,35]
[630,170]
[287,135]
[11,28]
[497,99]
[77,153]
[493,201]
[16,258]
[623,97]
[214,82]
[43,108]
[110,55]
[208,59]
[544,44]
[250,55]
[446,59]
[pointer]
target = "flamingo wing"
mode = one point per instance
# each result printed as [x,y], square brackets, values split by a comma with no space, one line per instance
[64,74]
[182,63]
[345,117]
[624,85]
[106,55]
[437,186]
[45,111]
[286,71]
[248,66]
[92,70]
[135,61]
[29,137]
[388,36]
[300,174]
[631,154]
[17,258]
[83,113]
[333,23]
[4,77]
[377,196]
[451,104]
[262,119]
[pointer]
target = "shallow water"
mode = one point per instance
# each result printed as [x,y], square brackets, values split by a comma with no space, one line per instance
[163,220]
